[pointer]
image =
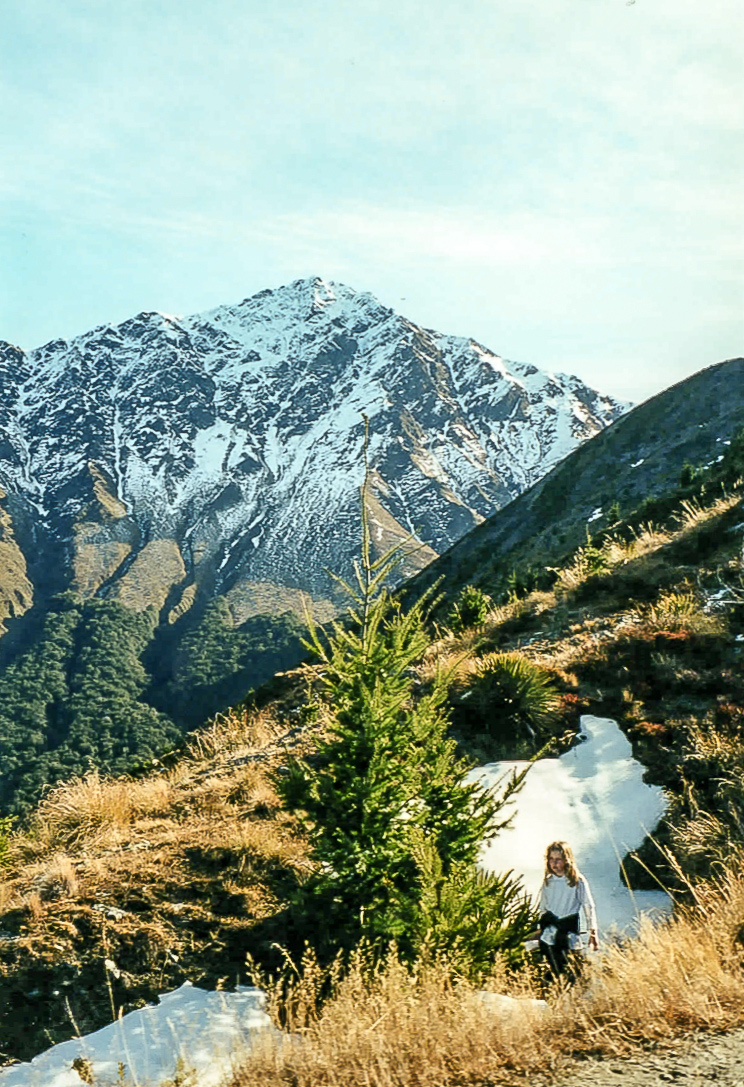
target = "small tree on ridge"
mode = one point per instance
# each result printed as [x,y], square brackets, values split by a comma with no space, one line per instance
[395,829]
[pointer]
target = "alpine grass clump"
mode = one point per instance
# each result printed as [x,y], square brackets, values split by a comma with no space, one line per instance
[6,826]
[395,830]
[512,700]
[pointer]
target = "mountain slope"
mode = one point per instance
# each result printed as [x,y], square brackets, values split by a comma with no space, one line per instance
[645,453]
[203,473]
[235,436]
[176,874]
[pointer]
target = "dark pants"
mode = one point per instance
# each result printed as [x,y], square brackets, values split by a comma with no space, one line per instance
[556,958]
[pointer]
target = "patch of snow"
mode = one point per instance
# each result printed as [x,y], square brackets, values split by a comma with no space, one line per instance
[596,514]
[638,463]
[593,797]
[205,1031]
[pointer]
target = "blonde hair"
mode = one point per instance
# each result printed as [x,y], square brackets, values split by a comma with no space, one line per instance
[572,872]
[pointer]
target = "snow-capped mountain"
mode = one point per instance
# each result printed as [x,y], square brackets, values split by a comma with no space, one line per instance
[168,458]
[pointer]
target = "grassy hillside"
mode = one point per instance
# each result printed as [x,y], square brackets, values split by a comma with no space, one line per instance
[183,871]
[633,467]
[115,889]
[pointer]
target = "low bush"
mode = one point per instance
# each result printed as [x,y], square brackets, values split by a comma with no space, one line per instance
[511,699]
[470,609]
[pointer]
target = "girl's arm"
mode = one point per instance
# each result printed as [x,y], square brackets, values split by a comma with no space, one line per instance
[586,902]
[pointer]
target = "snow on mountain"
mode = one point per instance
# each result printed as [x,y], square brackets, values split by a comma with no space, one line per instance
[237,433]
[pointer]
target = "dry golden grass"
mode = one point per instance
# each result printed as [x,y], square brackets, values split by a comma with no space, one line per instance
[232,731]
[253,791]
[35,905]
[85,810]
[271,842]
[680,609]
[59,878]
[430,1029]
[647,539]
[692,512]
[614,552]
[7,895]
[390,1028]
[457,655]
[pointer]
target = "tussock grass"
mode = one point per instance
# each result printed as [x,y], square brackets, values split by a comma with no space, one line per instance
[615,551]
[680,610]
[646,539]
[84,810]
[693,512]
[457,655]
[58,878]
[232,731]
[259,845]
[7,895]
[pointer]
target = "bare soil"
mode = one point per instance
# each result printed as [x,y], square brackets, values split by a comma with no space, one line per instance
[690,1062]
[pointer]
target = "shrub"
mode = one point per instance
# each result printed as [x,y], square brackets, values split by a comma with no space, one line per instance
[512,699]
[470,609]
[690,474]
[587,561]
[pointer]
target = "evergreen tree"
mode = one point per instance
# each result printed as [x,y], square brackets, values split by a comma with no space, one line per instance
[395,829]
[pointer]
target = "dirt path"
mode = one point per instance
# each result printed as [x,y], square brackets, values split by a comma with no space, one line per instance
[702,1059]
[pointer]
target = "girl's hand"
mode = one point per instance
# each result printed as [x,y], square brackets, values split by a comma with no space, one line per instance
[593,941]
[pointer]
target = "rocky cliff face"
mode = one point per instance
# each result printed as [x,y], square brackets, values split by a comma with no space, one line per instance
[170,459]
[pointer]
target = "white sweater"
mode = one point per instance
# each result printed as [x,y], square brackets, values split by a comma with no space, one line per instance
[561,899]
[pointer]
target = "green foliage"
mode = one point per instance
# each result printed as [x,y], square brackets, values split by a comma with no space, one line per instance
[395,830]
[512,700]
[592,559]
[72,700]
[689,474]
[468,915]
[470,609]
[216,663]
[523,580]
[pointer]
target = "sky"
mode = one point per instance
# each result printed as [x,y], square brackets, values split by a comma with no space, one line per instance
[559,179]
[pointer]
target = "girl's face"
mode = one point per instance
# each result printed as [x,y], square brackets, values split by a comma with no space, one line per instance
[557,862]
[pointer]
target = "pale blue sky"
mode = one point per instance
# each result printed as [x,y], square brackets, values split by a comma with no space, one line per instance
[560,179]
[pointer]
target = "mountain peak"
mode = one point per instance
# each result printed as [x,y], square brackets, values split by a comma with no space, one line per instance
[236,435]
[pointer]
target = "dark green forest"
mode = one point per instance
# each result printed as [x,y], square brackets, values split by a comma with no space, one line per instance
[102,686]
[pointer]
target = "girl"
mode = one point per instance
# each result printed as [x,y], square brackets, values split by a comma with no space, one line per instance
[564,894]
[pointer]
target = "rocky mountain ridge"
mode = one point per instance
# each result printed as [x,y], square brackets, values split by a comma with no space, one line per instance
[167,460]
